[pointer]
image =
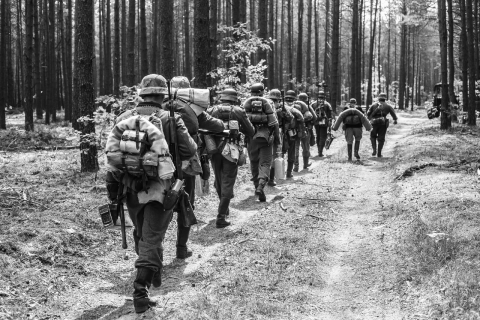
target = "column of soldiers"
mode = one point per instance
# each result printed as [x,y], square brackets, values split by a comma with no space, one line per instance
[265,127]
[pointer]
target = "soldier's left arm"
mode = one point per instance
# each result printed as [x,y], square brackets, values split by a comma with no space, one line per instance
[210,123]
[392,113]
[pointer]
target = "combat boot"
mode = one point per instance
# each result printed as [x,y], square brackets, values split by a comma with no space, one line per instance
[295,168]
[349,149]
[271,181]
[141,301]
[289,170]
[321,146]
[374,146]
[259,191]
[357,148]
[182,238]
[222,213]
[184,252]
[380,147]
[306,164]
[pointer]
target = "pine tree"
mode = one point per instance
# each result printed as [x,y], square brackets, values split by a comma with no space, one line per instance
[167,41]
[29,84]
[130,45]
[299,65]
[202,53]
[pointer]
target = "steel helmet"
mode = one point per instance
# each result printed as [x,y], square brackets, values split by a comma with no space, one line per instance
[153,84]
[291,95]
[180,82]
[303,97]
[257,88]
[382,96]
[321,94]
[229,94]
[275,94]
[353,100]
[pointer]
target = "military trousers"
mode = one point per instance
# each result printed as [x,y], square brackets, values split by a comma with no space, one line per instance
[151,222]
[225,175]
[184,232]
[378,133]
[321,134]
[260,154]
[291,150]
[351,133]
[305,143]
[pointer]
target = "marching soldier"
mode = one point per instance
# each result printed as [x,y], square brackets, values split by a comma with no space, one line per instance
[194,118]
[284,117]
[324,113]
[294,130]
[353,120]
[261,114]
[146,210]
[224,168]
[377,114]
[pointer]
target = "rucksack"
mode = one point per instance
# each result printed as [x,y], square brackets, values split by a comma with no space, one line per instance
[137,147]
[255,108]
[352,119]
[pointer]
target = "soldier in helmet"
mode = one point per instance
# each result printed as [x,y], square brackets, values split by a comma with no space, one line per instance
[377,114]
[195,118]
[224,166]
[310,123]
[295,130]
[284,117]
[324,113]
[148,215]
[261,114]
[304,138]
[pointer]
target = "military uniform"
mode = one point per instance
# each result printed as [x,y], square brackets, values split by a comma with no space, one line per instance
[352,120]
[194,119]
[146,210]
[224,168]
[284,117]
[309,118]
[294,128]
[377,114]
[262,115]
[324,113]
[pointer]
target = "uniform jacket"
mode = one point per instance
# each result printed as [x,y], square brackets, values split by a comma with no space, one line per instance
[350,112]
[187,147]
[381,109]
[272,122]
[284,116]
[297,121]
[325,111]
[303,107]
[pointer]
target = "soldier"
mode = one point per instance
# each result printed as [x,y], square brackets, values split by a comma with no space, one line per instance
[146,210]
[353,104]
[304,140]
[377,114]
[353,120]
[261,114]
[194,118]
[324,113]
[226,170]
[284,117]
[293,132]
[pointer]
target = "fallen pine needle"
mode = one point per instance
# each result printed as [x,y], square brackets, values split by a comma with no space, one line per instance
[314,216]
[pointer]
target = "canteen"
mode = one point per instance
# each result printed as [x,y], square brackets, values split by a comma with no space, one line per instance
[279,166]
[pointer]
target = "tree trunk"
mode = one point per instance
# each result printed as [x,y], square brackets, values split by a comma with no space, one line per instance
[358,86]
[263,32]
[38,83]
[202,44]
[143,39]
[326,59]
[271,53]
[317,44]
[84,91]
[125,80]
[370,64]
[154,38]
[290,42]
[354,79]
[52,63]
[388,76]
[108,77]
[335,53]
[167,62]
[299,64]
[403,75]
[236,11]
[3,62]
[186,29]
[130,46]
[101,48]
[282,45]
[451,59]
[464,55]
[213,32]
[472,65]
[29,85]
[252,23]
[378,48]
[445,120]
[116,48]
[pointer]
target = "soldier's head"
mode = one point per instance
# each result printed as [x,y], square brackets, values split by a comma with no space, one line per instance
[179,82]
[153,88]
[229,95]
[290,96]
[353,102]
[382,97]
[321,96]
[275,95]
[257,89]
[303,97]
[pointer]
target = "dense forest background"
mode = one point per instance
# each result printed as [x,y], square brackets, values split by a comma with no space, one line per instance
[353,48]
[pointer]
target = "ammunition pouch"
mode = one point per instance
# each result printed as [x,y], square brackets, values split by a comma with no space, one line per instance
[171,199]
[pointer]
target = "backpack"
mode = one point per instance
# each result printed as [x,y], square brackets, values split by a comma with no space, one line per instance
[137,147]
[352,119]
[255,107]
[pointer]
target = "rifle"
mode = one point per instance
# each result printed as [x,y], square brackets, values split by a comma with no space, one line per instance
[121,213]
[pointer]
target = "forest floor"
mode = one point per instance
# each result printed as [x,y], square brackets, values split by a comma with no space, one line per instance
[384,238]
